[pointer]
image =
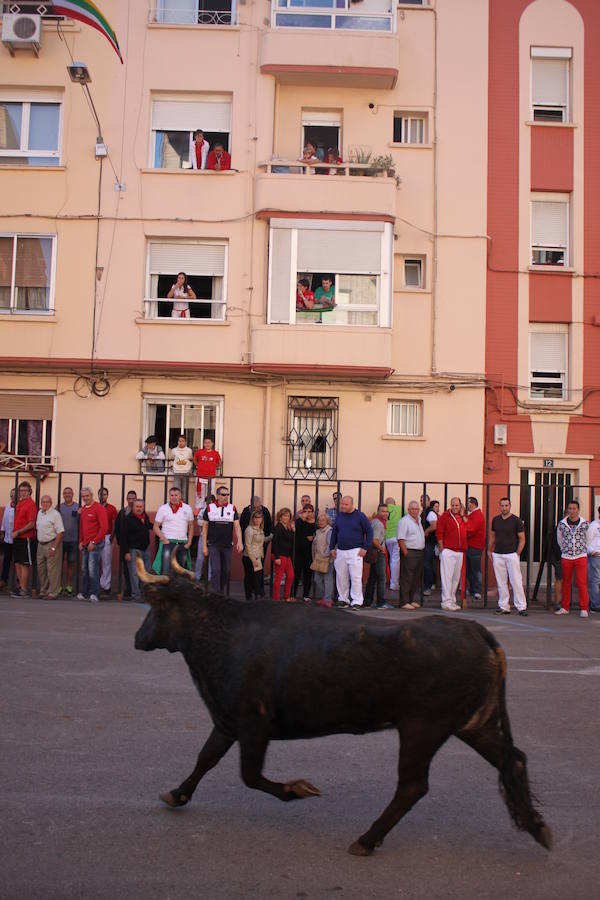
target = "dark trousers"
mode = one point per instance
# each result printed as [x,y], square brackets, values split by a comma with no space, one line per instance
[429,567]
[303,572]
[254,585]
[473,566]
[377,573]
[220,567]
[125,569]
[411,574]
[6,562]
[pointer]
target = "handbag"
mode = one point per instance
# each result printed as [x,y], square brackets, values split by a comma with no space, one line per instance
[372,556]
[320,564]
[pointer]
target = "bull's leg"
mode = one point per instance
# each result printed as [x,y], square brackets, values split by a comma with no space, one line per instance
[213,750]
[498,749]
[416,752]
[253,749]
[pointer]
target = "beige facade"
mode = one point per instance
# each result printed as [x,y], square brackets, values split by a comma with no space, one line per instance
[399,362]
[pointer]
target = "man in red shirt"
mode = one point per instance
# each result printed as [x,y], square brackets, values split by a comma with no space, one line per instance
[218,159]
[111,515]
[475,546]
[93,528]
[24,547]
[207,460]
[451,533]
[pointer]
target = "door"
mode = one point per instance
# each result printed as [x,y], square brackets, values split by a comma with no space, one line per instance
[545,494]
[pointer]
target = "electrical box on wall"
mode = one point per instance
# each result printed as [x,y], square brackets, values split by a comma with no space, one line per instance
[500,433]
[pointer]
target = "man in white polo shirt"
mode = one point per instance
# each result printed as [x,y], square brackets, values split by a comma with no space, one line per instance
[411,542]
[174,527]
[50,530]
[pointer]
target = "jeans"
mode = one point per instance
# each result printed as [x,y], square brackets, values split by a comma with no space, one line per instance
[90,570]
[323,584]
[429,566]
[474,570]
[594,581]
[220,566]
[132,569]
[377,573]
[181,555]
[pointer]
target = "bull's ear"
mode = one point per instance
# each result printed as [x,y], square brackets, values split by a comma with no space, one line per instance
[154,594]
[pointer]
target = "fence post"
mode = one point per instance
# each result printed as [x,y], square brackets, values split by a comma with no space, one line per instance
[487,542]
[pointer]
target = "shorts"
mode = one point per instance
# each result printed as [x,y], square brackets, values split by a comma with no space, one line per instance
[24,550]
[70,551]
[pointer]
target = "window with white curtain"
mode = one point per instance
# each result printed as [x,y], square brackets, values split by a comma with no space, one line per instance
[205,265]
[26,427]
[330,272]
[548,363]
[175,118]
[27,273]
[197,417]
[550,232]
[410,128]
[405,418]
[30,128]
[550,84]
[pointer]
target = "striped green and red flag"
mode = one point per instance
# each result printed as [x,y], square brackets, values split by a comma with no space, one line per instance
[87,12]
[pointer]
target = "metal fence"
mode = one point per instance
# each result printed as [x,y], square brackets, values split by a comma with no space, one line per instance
[540,505]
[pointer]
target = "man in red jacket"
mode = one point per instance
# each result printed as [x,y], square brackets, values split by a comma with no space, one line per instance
[218,159]
[451,532]
[475,546]
[207,461]
[24,547]
[93,527]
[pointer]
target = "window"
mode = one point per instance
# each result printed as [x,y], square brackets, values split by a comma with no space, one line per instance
[410,128]
[205,265]
[26,273]
[413,273]
[405,418]
[347,266]
[174,120]
[196,417]
[548,363]
[550,84]
[312,437]
[30,130]
[25,429]
[323,129]
[196,12]
[372,15]
[549,232]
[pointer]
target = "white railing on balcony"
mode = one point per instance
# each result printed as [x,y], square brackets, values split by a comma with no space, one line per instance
[348,15]
[194,12]
[217,309]
[348,169]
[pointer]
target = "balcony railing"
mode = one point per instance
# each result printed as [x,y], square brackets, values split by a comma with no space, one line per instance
[281,166]
[216,308]
[371,15]
[194,12]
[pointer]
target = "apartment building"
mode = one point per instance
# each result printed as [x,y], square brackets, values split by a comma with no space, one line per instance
[447,304]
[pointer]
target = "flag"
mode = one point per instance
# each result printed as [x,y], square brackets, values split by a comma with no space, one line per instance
[88,12]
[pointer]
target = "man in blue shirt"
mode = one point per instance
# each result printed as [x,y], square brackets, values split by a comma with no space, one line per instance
[351,536]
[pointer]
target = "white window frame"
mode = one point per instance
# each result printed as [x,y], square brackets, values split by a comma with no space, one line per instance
[26,99]
[407,120]
[331,118]
[414,261]
[384,276]
[159,97]
[548,53]
[413,409]
[548,247]
[14,425]
[12,310]
[183,399]
[549,328]
[164,15]
[217,306]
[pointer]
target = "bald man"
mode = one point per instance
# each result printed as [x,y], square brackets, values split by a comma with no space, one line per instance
[351,536]
[50,529]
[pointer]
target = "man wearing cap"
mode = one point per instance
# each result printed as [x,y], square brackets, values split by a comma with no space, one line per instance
[152,454]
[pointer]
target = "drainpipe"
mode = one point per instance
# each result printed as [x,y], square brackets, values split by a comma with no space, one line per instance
[266,454]
[435,197]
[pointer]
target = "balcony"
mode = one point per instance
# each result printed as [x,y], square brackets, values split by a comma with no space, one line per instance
[338,53]
[361,188]
[308,349]
[193,12]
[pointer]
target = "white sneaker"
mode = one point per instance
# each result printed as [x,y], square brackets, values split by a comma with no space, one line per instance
[584,614]
[81,596]
[93,599]
[477,596]
[427,592]
[451,607]
[394,587]
[561,612]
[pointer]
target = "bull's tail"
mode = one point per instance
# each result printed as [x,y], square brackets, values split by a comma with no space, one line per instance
[513,781]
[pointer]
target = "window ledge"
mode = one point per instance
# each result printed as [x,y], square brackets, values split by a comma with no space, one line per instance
[210,172]
[179,323]
[412,290]
[549,406]
[11,168]
[405,145]
[403,437]
[187,26]
[7,316]
[552,270]
[551,124]
[322,326]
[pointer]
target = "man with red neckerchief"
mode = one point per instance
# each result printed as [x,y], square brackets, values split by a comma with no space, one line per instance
[24,546]
[451,533]
[207,461]
[174,527]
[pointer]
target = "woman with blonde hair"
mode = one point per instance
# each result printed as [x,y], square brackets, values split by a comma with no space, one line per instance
[282,551]
[252,558]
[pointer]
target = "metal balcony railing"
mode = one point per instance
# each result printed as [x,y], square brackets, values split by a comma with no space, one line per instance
[217,308]
[282,166]
[194,12]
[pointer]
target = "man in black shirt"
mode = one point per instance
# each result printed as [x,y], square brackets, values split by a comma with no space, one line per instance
[135,541]
[256,506]
[220,521]
[506,545]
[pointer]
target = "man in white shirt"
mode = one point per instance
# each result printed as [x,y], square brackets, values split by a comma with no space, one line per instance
[181,465]
[174,527]
[6,538]
[594,565]
[50,529]
[411,541]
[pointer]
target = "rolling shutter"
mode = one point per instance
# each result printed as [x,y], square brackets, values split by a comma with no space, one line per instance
[188,115]
[548,351]
[339,251]
[193,259]
[280,256]
[549,82]
[549,227]
[26,406]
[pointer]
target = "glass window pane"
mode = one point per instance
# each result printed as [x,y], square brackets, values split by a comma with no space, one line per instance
[178,12]
[172,149]
[43,126]
[10,125]
[6,260]
[33,273]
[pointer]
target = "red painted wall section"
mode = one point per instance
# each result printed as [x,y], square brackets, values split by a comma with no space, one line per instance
[584,432]
[550,298]
[503,208]
[551,158]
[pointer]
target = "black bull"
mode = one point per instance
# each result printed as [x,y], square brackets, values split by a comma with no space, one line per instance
[277,671]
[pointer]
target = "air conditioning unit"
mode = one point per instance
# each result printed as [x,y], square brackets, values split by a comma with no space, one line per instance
[21,31]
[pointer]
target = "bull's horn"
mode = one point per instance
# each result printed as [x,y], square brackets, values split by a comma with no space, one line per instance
[146,577]
[179,569]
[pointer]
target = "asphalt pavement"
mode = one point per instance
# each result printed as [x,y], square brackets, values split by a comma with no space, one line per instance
[92,731]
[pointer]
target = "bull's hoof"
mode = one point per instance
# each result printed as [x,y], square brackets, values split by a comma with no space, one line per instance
[174,798]
[544,837]
[357,849]
[302,789]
